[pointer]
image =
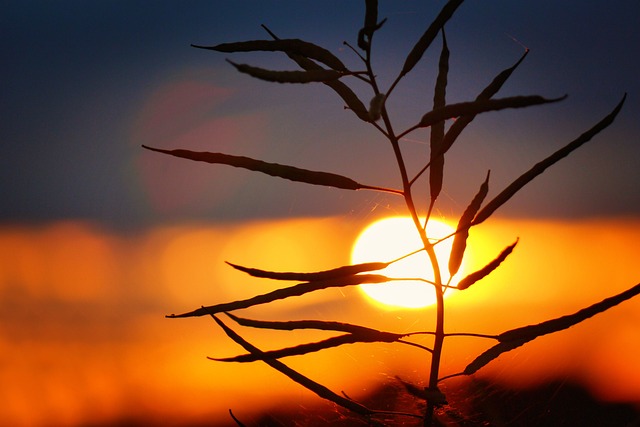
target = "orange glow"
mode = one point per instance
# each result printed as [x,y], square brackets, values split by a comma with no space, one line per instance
[392,238]
[83,339]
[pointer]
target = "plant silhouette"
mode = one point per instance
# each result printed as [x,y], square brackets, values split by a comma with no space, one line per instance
[318,65]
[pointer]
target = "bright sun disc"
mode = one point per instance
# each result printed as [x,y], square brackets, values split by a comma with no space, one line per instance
[392,238]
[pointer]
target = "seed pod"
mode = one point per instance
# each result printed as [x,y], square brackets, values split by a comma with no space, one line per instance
[462,232]
[347,95]
[289,46]
[322,325]
[370,21]
[425,41]
[554,325]
[487,269]
[311,347]
[294,375]
[519,336]
[458,126]
[481,106]
[491,354]
[370,16]
[541,166]
[292,291]
[436,171]
[335,273]
[274,169]
[497,83]
[288,76]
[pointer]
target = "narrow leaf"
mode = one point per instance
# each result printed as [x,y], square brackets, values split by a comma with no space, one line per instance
[541,166]
[289,76]
[425,41]
[461,123]
[303,380]
[481,106]
[517,337]
[462,232]
[292,291]
[334,273]
[274,169]
[290,46]
[487,269]
[436,172]
[311,347]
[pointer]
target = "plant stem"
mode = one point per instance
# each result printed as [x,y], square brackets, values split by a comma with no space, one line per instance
[435,355]
[428,247]
[439,332]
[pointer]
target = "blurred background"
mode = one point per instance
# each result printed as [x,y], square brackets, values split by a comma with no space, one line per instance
[99,239]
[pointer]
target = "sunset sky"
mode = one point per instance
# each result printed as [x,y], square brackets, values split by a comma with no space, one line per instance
[99,238]
[85,84]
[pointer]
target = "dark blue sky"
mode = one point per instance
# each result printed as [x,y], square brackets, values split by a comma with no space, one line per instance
[85,83]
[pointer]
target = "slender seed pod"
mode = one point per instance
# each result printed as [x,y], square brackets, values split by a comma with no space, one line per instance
[487,269]
[312,347]
[491,354]
[334,273]
[519,336]
[541,166]
[461,122]
[274,169]
[292,291]
[289,76]
[425,41]
[554,325]
[292,325]
[289,46]
[436,172]
[481,106]
[348,96]
[462,232]
[294,375]
[371,15]
[370,24]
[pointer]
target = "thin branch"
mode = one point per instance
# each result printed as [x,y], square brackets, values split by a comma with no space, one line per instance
[416,345]
[354,51]
[471,334]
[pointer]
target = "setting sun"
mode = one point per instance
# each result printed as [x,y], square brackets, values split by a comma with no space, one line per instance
[392,238]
